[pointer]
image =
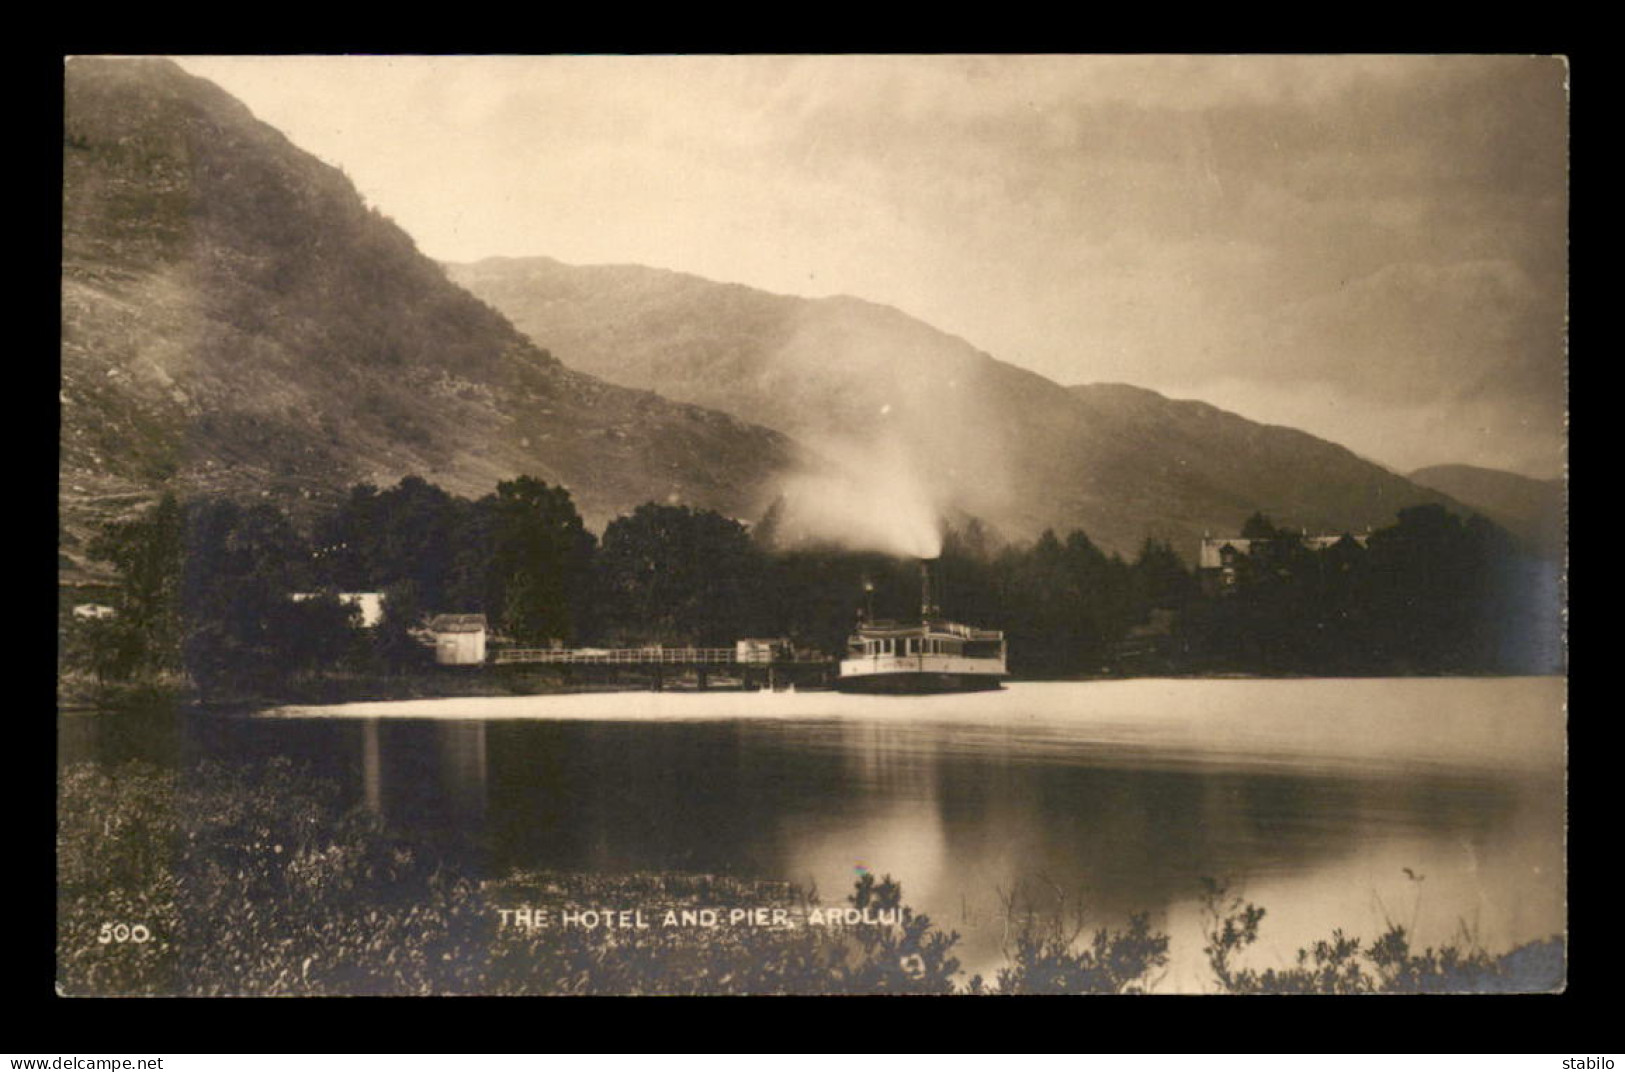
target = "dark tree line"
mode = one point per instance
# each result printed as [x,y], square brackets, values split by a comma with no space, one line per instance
[1429,594]
[207,584]
[206,590]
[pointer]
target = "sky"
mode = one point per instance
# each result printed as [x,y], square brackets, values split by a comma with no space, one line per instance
[1370,248]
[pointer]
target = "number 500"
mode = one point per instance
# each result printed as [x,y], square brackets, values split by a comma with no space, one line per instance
[123,932]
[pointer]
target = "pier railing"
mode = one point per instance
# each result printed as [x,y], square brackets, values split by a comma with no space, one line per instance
[618,656]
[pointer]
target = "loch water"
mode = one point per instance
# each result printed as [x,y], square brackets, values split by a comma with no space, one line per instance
[1436,803]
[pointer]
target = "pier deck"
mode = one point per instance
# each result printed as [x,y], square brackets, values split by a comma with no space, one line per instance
[617,656]
[662,663]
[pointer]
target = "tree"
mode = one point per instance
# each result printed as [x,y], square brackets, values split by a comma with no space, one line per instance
[1160,577]
[671,574]
[205,588]
[965,576]
[1428,586]
[237,574]
[108,649]
[312,634]
[149,553]
[380,538]
[1063,603]
[1259,527]
[393,641]
[1430,593]
[343,542]
[538,560]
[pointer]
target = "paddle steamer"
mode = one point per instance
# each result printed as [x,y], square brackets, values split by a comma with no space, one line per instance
[931,655]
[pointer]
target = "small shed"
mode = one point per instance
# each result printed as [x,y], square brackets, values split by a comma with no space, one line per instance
[760,649]
[459,639]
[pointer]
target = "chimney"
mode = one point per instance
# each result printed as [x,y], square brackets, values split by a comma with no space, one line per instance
[928,602]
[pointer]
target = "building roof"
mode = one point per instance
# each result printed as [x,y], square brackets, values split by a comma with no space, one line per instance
[371,604]
[1213,550]
[1213,546]
[457,623]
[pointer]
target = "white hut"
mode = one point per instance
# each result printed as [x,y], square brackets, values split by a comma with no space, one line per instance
[459,639]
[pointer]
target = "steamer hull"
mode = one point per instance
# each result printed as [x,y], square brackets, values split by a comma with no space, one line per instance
[919,682]
[934,656]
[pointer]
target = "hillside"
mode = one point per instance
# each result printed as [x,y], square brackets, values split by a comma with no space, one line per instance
[236,319]
[1532,510]
[867,382]
[1215,457]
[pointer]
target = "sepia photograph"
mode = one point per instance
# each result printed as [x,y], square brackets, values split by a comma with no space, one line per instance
[805,524]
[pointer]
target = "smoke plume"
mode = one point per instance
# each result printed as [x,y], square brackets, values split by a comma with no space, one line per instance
[871,500]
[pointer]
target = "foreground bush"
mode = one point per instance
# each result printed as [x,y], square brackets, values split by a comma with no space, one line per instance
[228,882]
[1344,965]
[1045,955]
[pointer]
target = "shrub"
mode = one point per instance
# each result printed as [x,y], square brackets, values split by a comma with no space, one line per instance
[1045,957]
[1344,965]
[256,882]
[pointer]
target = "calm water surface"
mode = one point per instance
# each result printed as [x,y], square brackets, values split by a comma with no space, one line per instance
[1311,797]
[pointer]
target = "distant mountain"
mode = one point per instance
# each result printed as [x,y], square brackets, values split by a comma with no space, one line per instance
[870,384]
[1218,457]
[236,319]
[1532,510]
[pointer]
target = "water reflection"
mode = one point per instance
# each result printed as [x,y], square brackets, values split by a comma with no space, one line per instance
[967,813]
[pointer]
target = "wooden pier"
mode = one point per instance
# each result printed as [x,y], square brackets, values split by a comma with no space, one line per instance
[616,656]
[662,664]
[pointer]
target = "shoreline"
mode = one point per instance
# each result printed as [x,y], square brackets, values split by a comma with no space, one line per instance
[77,697]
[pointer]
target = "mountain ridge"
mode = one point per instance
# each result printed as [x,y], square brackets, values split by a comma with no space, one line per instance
[1118,461]
[237,320]
[1533,510]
